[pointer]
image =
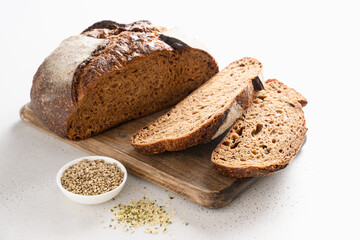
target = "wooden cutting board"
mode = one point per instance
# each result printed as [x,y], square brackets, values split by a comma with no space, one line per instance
[187,173]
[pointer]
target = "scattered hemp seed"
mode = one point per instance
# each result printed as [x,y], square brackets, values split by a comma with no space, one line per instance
[92,177]
[142,213]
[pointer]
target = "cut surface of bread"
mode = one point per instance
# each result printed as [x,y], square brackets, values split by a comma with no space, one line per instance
[112,73]
[266,137]
[199,117]
[153,83]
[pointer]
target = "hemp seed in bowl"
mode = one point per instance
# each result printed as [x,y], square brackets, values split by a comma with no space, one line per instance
[92,179]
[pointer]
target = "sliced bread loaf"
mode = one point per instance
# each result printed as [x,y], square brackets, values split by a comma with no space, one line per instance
[266,137]
[205,113]
[112,73]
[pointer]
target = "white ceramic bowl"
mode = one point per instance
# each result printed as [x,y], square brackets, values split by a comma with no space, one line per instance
[93,199]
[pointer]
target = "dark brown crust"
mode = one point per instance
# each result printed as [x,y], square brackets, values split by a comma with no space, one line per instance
[174,42]
[257,84]
[261,171]
[104,24]
[106,29]
[124,44]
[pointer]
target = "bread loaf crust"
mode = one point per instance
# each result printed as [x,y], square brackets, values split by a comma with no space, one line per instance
[52,93]
[116,46]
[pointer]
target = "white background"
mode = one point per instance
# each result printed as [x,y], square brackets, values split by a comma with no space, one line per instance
[312,46]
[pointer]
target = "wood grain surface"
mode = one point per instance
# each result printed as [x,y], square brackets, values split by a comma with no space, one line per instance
[187,173]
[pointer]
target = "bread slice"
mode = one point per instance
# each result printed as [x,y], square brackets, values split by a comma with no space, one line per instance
[112,73]
[266,137]
[205,113]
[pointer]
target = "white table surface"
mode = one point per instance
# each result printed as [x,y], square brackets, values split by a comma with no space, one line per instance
[312,46]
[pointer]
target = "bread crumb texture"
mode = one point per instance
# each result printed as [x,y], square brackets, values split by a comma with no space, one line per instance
[132,71]
[266,137]
[196,119]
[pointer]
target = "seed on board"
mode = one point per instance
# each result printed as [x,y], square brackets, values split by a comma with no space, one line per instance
[92,177]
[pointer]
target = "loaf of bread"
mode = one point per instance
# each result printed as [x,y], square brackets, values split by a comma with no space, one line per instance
[204,114]
[112,73]
[266,137]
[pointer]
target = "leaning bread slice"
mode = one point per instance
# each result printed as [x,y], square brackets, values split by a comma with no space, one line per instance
[205,113]
[266,137]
